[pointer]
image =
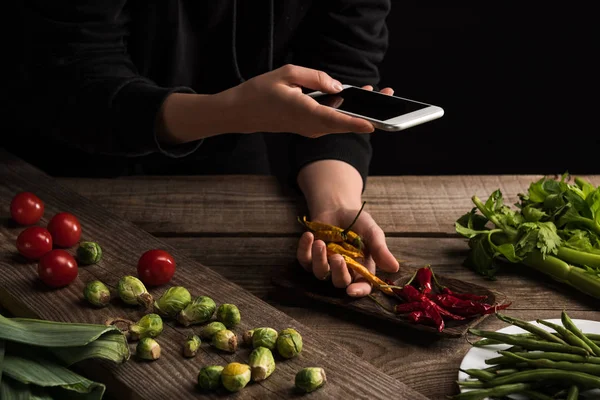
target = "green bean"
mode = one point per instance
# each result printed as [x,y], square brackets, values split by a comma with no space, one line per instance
[480,374]
[530,344]
[573,393]
[560,393]
[508,371]
[542,333]
[593,369]
[497,391]
[568,335]
[568,323]
[486,342]
[549,356]
[500,361]
[593,336]
[538,375]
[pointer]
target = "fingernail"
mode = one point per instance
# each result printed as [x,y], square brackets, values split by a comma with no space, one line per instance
[354,293]
[337,86]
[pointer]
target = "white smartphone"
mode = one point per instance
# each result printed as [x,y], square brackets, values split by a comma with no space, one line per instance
[389,113]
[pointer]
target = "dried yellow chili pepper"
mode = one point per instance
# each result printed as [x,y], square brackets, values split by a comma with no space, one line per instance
[329,236]
[362,270]
[332,233]
[341,249]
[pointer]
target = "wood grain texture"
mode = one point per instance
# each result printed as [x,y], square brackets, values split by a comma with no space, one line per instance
[171,376]
[253,262]
[205,205]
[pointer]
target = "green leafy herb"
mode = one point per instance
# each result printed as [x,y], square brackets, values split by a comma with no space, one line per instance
[555,228]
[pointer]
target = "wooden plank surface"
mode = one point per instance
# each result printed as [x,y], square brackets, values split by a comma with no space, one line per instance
[258,205]
[171,376]
[252,262]
[417,360]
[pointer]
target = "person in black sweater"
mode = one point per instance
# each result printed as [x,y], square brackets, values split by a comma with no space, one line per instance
[191,87]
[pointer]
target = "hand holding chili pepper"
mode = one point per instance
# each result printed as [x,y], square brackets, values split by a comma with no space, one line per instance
[313,255]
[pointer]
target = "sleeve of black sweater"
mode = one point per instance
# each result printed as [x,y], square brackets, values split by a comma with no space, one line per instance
[85,90]
[347,39]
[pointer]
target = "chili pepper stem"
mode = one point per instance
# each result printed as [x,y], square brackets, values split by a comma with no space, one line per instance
[380,304]
[435,280]
[345,231]
[412,278]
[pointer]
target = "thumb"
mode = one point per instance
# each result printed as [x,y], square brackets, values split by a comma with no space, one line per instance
[379,251]
[310,78]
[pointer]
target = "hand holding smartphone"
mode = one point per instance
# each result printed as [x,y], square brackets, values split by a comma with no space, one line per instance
[385,112]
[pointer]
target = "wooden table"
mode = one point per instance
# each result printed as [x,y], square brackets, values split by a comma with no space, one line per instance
[244,228]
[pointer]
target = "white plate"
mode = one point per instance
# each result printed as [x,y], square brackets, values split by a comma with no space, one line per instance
[476,356]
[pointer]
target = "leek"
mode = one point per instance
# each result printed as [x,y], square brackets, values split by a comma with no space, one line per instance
[1,360]
[15,390]
[51,333]
[39,371]
[35,356]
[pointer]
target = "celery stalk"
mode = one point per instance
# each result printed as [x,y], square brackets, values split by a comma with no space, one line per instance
[578,257]
[563,272]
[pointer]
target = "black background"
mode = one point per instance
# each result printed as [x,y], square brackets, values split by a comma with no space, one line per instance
[517,84]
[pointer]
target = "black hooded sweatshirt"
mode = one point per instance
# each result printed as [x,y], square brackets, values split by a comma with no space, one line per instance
[97,73]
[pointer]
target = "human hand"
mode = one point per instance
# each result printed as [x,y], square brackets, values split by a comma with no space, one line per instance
[274,102]
[312,254]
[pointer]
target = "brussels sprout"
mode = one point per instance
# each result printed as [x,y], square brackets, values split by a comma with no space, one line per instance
[150,325]
[229,315]
[265,337]
[97,293]
[148,349]
[191,346]
[262,363]
[209,378]
[175,299]
[225,340]
[132,291]
[247,337]
[209,330]
[310,379]
[235,376]
[89,253]
[289,343]
[200,310]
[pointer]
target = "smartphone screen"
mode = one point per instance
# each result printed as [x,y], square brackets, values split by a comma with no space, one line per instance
[369,104]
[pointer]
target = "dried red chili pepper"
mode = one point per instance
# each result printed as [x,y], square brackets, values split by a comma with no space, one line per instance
[463,296]
[417,316]
[467,308]
[409,293]
[408,307]
[423,304]
[428,315]
[424,279]
[481,309]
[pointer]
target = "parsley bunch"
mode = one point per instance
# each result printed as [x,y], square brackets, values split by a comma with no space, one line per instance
[554,228]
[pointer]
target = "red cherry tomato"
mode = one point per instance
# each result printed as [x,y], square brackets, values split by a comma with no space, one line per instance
[156,267]
[26,208]
[65,229]
[34,242]
[57,268]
